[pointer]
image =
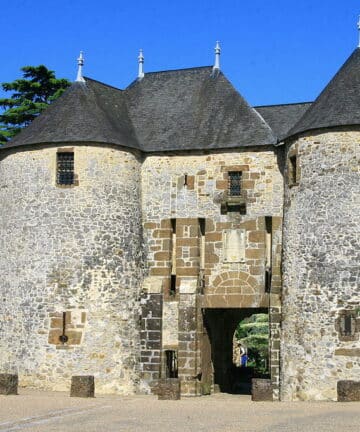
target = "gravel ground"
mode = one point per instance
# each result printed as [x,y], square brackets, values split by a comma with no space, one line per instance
[33,410]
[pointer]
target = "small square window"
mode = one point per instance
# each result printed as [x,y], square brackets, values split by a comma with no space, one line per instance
[65,168]
[348,325]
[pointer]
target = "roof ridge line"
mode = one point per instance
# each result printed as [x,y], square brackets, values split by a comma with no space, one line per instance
[177,70]
[284,104]
[102,83]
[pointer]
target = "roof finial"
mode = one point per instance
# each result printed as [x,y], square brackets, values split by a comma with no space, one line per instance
[217,56]
[141,64]
[358,26]
[80,61]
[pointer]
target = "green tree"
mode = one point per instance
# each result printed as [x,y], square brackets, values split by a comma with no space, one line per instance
[253,333]
[30,96]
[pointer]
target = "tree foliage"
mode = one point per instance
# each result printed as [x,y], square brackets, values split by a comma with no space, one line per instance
[31,94]
[253,333]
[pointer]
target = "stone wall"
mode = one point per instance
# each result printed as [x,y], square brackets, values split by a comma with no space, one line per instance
[74,250]
[72,260]
[321,265]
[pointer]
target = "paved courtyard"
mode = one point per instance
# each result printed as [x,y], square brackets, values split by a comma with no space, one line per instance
[39,411]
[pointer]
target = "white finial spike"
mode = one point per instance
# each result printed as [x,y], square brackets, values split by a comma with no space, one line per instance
[358,26]
[80,61]
[141,65]
[217,56]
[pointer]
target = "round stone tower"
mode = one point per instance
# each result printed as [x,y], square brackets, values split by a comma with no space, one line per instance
[70,251]
[321,289]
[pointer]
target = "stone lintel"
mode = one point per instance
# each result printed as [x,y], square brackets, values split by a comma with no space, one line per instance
[349,352]
[234,301]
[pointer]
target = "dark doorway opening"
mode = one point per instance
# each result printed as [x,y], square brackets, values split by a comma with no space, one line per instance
[220,326]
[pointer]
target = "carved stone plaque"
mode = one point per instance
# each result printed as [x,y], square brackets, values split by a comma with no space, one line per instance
[234,245]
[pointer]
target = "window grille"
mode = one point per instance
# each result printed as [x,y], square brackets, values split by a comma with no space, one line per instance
[65,168]
[234,185]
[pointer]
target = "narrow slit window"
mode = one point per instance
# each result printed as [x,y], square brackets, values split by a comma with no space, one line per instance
[292,170]
[347,325]
[172,290]
[172,287]
[171,364]
[202,242]
[65,168]
[268,253]
[173,246]
[234,183]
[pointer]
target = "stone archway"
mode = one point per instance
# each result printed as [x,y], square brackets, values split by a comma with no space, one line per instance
[220,324]
[235,282]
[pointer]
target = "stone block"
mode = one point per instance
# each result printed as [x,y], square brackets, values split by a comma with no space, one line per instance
[74,337]
[254,253]
[82,386]
[348,391]
[160,271]
[261,390]
[257,236]
[168,389]
[150,225]
[8,384]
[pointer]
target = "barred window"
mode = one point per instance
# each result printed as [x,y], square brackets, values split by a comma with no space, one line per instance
[347,325]
[234,183]
[65,168]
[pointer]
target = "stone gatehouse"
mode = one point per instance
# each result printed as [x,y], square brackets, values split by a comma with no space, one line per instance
[140,226]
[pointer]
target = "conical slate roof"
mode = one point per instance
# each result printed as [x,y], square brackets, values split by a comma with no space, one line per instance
[87,112]
[186,109]
[339,103]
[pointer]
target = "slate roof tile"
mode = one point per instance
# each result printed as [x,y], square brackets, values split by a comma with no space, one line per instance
[281,118]
[86,112]
[186,109]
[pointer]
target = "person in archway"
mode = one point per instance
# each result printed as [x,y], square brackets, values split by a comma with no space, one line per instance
[244,357]
[240,353]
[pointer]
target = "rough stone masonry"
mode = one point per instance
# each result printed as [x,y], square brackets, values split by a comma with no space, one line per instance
[140,226]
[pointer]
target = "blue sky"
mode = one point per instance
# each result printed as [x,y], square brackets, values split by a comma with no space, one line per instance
[273,51]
